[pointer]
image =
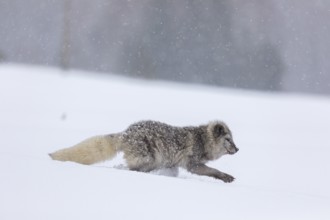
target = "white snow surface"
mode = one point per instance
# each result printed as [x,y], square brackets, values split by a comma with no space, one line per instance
[282,170]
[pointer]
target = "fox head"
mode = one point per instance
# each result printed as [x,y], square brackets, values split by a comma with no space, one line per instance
[221,140]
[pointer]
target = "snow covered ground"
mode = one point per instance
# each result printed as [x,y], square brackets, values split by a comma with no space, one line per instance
[282,169]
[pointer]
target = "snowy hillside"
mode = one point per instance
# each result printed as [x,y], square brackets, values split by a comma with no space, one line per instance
[282,169]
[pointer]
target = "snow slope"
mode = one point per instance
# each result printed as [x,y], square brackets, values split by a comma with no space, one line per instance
[282,169]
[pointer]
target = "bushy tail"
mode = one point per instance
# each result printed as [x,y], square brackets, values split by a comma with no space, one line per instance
[89,151]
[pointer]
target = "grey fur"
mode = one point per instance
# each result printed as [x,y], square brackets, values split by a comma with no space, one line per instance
[150,145]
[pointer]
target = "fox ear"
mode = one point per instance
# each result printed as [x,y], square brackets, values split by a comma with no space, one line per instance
[218,130]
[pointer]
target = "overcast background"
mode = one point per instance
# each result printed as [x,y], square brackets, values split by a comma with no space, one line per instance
[257,44]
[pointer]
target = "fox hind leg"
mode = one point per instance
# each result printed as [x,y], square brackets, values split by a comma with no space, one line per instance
[143,167]
[172,171]
[141,164]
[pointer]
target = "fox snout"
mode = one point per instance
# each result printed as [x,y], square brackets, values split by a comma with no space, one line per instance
[233,149]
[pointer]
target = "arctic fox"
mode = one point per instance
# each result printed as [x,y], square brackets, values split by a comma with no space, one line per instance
[151,145]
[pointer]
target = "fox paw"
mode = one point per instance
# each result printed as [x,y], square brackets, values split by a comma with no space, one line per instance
[227,178]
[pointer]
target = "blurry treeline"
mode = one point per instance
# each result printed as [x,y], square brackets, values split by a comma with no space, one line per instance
[256,44]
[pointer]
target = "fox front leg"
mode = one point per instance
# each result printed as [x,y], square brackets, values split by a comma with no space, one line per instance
[202,169]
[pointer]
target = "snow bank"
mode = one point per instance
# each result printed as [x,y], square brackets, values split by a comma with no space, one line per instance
[282,168]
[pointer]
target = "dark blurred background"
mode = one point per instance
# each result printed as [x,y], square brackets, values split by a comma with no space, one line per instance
[257,44]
